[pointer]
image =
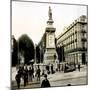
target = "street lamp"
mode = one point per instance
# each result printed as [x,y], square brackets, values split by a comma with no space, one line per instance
[18,52]
[35,53]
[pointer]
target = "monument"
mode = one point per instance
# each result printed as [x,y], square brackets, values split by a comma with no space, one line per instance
[50,51]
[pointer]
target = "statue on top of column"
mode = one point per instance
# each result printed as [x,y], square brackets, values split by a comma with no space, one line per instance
[50,13]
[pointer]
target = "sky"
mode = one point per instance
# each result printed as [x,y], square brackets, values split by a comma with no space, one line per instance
[30,18]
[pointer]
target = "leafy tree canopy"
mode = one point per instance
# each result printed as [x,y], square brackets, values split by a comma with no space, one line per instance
[26,47]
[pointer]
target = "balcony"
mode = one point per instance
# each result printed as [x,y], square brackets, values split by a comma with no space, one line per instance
[75,50]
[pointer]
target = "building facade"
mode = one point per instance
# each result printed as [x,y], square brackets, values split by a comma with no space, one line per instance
[74,41]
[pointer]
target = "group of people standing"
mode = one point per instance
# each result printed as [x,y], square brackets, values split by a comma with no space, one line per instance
[27,75]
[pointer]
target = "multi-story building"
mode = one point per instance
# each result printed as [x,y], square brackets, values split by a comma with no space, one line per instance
[74,41]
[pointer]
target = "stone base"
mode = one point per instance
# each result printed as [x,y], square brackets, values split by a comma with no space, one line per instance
[49,56]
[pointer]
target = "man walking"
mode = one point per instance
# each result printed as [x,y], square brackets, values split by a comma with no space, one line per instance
[25,76]
[45,82]
[18,79]
[52,69]
[79,67]
[30,74]
[38,74]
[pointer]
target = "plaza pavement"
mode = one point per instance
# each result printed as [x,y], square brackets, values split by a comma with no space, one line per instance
[58,76]
[69,75]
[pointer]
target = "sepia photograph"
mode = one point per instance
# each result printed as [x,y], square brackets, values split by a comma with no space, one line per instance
[49,44]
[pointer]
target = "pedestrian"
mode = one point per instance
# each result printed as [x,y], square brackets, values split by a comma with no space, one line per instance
[42,72]
[25,74]
[18,79]
[52,68]
[30,74]
[38,74]
[79,67]
[45,82]
[62,67]
[26,71]
[25,78]
[20,72]
[47,68]
[65,68]
[59,67]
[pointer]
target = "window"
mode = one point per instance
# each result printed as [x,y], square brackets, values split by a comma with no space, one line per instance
[75,44]
[72,37]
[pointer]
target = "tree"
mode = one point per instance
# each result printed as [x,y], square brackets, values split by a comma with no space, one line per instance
[26,48]
[14,51]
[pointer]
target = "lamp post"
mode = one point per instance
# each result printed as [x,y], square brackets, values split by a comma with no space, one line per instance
[35,54]
[18,52]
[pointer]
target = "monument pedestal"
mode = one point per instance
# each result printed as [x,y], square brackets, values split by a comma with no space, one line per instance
[49,56]
[50,50]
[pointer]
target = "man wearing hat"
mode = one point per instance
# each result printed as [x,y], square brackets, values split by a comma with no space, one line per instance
[45,82]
